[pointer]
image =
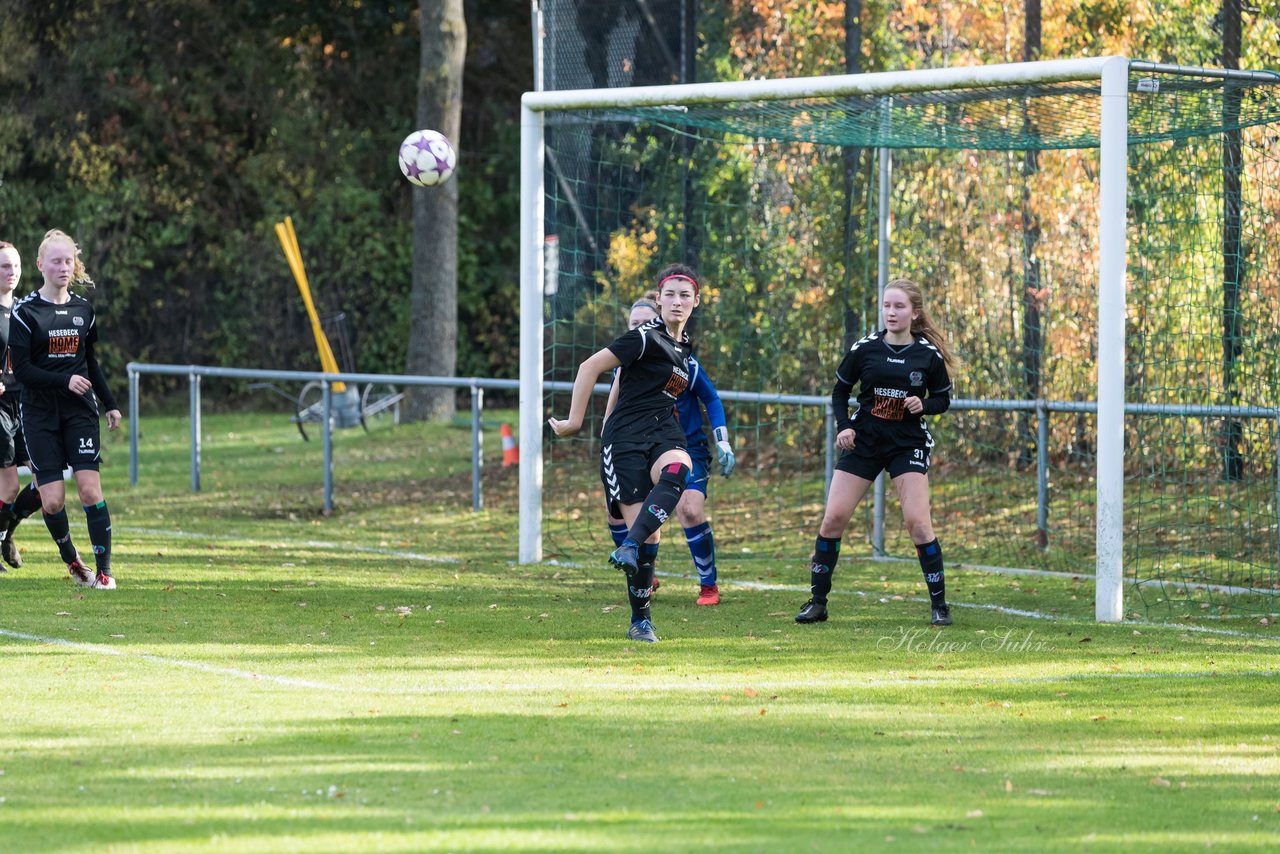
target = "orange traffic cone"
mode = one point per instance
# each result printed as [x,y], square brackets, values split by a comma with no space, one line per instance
[510,450]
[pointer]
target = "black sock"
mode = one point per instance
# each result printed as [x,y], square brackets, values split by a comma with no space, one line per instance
[98,520]
[930,555]
[6,517]
[640,585]
[660,502]
[826,551]
[27,502]
[60,530]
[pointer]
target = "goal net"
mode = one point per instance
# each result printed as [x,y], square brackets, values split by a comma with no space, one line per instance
[796,200]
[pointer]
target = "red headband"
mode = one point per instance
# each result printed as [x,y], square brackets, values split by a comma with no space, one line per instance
[688,279]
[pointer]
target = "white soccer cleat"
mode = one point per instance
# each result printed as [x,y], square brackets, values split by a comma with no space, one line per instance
[80,573]
[102,581]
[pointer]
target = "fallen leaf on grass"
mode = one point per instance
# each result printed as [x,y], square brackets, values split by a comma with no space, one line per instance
[750,692]
[1098,718]
[63,614]
[1159,781]
[1039,792]
[973,814]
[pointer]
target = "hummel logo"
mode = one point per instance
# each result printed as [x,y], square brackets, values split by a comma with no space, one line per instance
[896,361]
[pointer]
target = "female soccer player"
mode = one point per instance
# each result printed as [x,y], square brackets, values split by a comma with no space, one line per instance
[692,509]
[902,374]
[51,342]
[15,505]
[643,461]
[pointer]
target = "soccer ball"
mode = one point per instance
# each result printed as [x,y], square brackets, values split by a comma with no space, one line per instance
[427,158]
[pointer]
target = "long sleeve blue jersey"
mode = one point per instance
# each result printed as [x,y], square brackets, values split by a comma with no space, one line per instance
[701,392]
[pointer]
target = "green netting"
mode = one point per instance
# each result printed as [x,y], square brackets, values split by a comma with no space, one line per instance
[1029,117]
[994,205]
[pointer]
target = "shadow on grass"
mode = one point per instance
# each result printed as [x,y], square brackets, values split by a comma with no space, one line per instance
[667,771]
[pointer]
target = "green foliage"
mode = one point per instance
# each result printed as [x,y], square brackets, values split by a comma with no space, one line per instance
[174,135]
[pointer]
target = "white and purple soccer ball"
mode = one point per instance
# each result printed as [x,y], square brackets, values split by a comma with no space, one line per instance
[427,158]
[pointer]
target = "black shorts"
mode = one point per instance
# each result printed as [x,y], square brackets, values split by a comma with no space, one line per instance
[58,438]
[624,470]
[894,450]
[13,450]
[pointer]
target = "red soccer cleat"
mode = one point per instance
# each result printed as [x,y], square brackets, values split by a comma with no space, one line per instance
[709,595]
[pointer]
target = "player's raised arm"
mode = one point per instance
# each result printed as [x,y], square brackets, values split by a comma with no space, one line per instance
[588,372]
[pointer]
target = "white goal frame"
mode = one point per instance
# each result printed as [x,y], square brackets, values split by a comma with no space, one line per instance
[1111,71]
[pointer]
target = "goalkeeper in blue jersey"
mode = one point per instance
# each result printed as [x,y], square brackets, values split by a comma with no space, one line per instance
[691,511]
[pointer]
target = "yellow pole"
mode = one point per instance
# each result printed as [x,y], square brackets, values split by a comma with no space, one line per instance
[289,242]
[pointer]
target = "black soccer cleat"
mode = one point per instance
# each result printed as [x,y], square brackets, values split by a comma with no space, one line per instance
[9,551]
[941,616]
[626,557]
[812,612]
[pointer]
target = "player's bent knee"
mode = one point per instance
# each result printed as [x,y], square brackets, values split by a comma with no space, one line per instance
[675,474]
[920,530]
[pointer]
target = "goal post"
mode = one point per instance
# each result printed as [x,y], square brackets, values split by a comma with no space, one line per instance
[865,110]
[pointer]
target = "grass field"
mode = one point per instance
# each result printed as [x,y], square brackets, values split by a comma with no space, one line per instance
[388,679]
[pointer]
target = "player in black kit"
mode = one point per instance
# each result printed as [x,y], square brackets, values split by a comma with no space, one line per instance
[643,461]
[51,340]
[902,375]
[15,504]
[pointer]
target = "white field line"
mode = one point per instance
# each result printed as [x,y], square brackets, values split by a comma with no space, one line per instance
[310,544]
[102,649]
[750,585]
[578,686]
[614,683]
[1175,584]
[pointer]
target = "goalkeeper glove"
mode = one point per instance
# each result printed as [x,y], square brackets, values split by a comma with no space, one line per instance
[724,451]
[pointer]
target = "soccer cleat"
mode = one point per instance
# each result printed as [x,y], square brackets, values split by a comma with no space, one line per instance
[812,612]
[642,631]
[709,595]
[941,616]
[656,585]
[9,551]
[626,557]
[80,573]
[102,581]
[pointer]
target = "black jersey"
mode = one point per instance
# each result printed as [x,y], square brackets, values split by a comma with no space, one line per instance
[887,375]
[655,370]
[48,344]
